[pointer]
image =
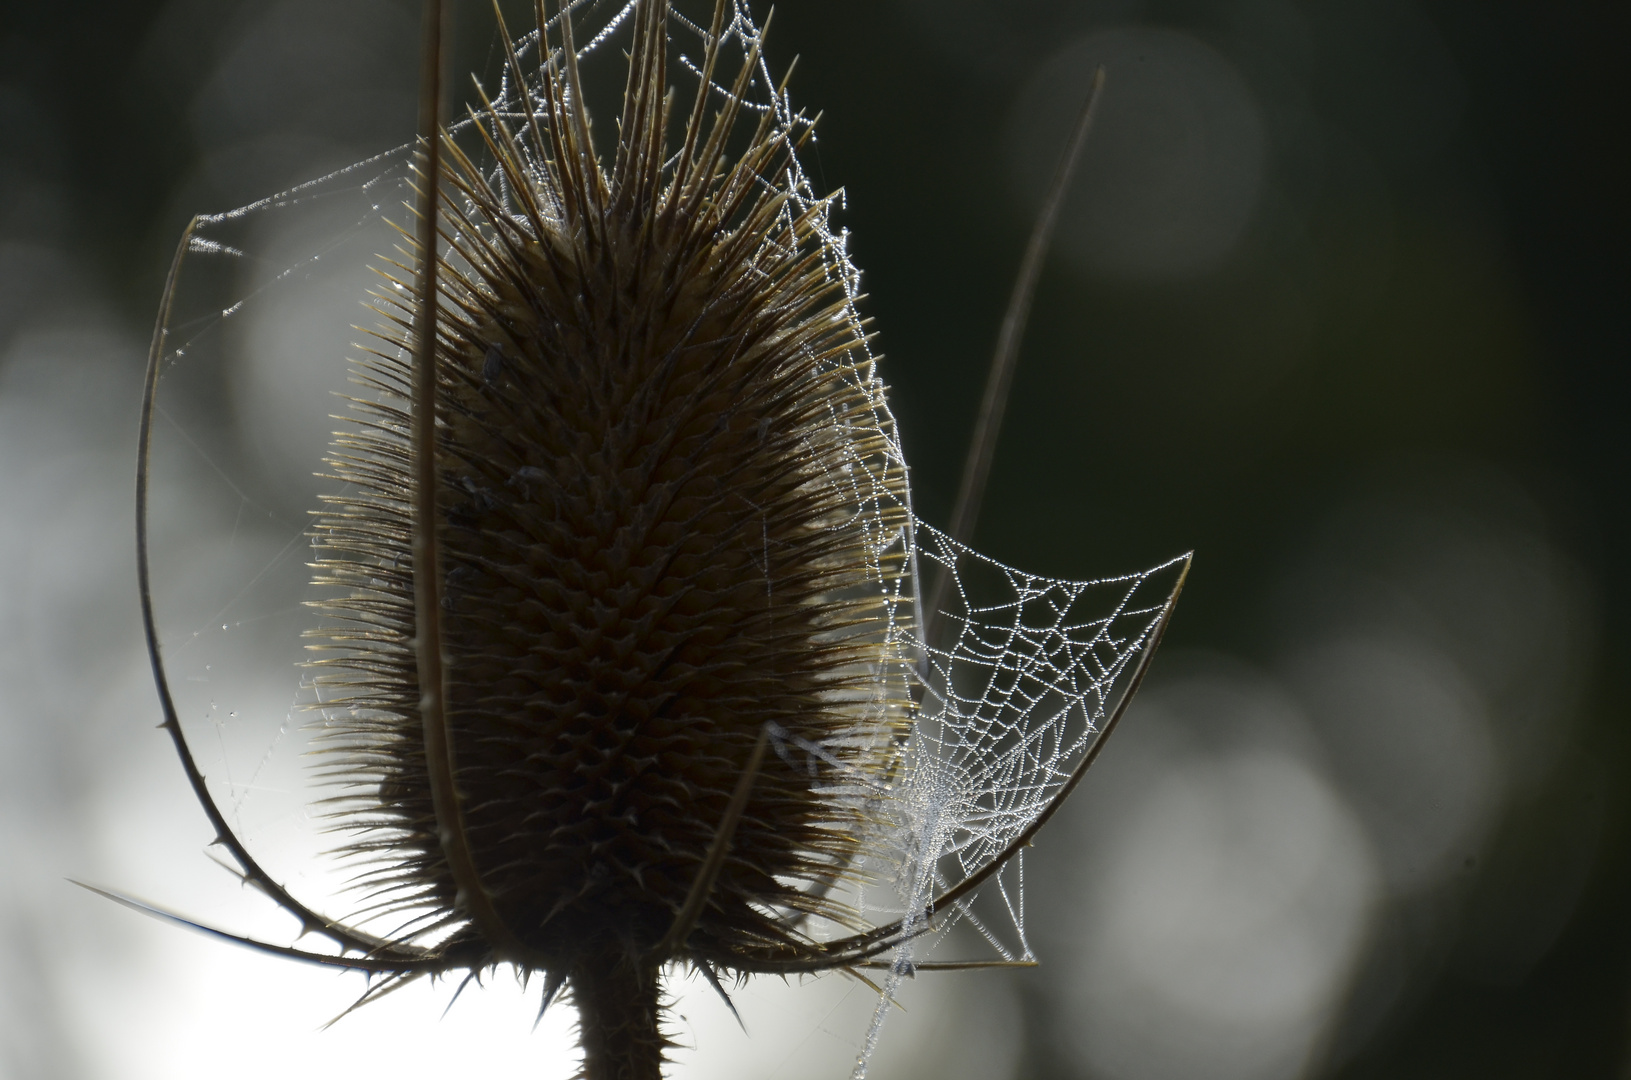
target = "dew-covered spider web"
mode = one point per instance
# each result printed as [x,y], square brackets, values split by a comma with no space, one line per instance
[1003,692]
[1018,676]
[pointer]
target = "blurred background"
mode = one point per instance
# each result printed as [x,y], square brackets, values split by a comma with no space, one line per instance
[1340,301]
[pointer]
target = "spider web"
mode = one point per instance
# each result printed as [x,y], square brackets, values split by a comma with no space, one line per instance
[1017,675]
[1005,690]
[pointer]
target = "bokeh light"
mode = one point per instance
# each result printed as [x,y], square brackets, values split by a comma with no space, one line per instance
[1337,301]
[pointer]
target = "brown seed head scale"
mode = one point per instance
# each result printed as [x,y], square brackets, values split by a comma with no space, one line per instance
[649,409]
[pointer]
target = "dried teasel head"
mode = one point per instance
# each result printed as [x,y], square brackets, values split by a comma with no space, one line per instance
[620,659]
[656,428]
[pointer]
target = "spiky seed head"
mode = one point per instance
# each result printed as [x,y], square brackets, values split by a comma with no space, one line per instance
[658,435]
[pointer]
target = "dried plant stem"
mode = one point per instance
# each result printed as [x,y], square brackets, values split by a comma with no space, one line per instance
[686,919]
[440,761]
[618,1014]
[982,447]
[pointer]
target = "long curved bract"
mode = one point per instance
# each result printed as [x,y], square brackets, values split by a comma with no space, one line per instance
[251,870]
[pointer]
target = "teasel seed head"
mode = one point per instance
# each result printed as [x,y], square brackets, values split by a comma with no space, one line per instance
[663,465]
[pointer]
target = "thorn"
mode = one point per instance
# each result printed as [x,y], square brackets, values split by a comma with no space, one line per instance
[464,983]
[713,980]
[552,986]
